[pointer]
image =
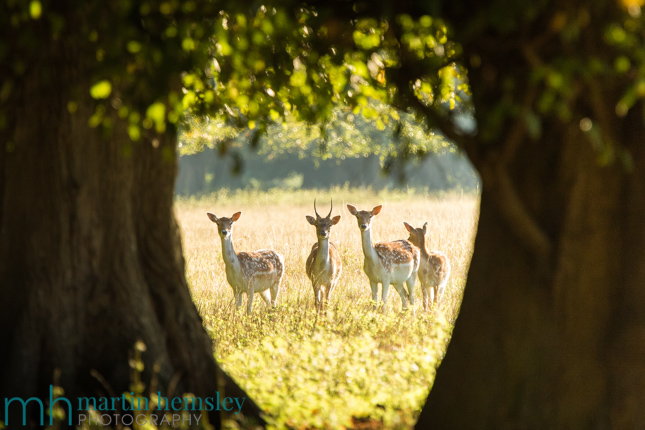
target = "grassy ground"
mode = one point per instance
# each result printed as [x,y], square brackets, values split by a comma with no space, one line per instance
[353,368]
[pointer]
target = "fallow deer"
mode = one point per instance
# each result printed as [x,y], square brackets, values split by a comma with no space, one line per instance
[434,269]
[386,263]
[323,264]
[249,272]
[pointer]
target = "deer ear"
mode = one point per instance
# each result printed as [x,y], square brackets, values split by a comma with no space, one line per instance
[352,210]
[425,228]
[376,210]
[311,220]
[408,227]
[212,217]
[335,220]
[236,216]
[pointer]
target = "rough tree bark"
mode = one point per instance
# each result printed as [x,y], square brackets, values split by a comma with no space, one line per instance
[90,256]
[551,332]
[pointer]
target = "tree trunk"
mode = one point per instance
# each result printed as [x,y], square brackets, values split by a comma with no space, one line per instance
[551,332]
[90,254]
[562,346]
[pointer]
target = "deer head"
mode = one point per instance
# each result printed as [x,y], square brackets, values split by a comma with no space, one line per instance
[364,218]
[417,235]
[323,225]
[224,225]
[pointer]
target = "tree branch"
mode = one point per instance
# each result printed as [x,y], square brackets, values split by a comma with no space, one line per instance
[520,221]
[517,133]
[509,203]
[444,124]
[605,118]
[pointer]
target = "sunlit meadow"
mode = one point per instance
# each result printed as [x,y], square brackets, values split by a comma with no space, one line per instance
[353,368]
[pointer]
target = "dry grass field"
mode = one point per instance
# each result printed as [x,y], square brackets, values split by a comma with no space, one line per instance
[353,367]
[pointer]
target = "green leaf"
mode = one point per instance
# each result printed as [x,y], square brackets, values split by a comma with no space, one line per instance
[101,90]
[133,47]
[188,44]
[134,132]
[622,64]
[157,113]
[35,9]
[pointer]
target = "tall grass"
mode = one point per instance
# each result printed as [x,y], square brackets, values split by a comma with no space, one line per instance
[337,370]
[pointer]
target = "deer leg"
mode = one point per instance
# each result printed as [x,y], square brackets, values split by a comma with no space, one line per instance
[266,297]
[374,286]
[328,293]
[322,298]
[426,293]
[238,299]
[433,295]
[403,293]
[443,283]
[249,306]
[275,289]
[317,298]
[386,287]
[410,283]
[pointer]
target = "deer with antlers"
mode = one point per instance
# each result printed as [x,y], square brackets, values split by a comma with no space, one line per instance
[434,269]
[387,263]
[323,264]
[249,272]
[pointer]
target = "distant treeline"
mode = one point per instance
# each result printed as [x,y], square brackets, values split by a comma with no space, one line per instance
[207,171]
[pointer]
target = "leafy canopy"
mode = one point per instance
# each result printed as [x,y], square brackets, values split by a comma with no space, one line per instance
[251,66]
[300,68]
[152,61]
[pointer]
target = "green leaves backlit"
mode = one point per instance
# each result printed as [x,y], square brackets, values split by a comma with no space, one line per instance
[260,67]
[313,71]
[35,9]
[157,114]
[133,47]
[101,90]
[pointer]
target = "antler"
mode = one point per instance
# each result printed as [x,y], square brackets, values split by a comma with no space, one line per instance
[330,209]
